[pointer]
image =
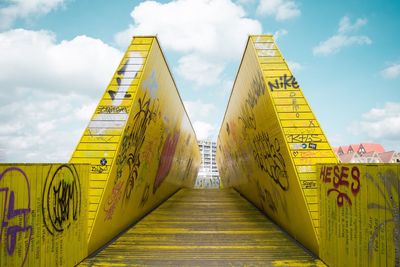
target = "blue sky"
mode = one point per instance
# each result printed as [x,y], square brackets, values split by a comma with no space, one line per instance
[57,57]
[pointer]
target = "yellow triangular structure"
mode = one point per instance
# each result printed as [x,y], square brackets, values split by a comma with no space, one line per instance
[140,143]
[270,142]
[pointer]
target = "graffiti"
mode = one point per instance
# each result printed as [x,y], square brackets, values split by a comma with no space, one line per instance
[284,82]
[145,195]
[99,168]
[308,184]
[61,201]
[165,163]
[112,110]
[113,94]
[227,129]
[341,178]
[14,234]
[272,198]
[133,140]
[257,89]
[312,146]
[389,192]
[188,168]
[113,200]
[303,138]
[103,161]
[267,154]
[122,89]
[247,117]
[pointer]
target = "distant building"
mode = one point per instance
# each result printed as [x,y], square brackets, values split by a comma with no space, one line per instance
[360,149]
[208,176]
[350,158]
[370,157]
[366,153]
[390,157]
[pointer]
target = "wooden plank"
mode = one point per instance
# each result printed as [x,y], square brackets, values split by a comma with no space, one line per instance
[205,228]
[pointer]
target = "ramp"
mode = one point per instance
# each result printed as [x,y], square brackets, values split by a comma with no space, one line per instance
[204,228]
[270,142]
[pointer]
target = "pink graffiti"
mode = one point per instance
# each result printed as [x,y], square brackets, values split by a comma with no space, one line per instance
[167,155]
[9,212]
[113,200]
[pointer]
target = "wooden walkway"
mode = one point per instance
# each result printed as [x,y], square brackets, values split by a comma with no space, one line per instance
[204,228]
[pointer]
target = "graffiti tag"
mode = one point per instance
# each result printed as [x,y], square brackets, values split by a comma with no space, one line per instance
[61,201]
[13,232]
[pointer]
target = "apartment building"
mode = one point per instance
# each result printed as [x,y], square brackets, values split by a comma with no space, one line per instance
[208,176]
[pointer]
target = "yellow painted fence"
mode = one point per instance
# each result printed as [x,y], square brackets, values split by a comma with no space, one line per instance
[360,221]
[270,142]
[43,213]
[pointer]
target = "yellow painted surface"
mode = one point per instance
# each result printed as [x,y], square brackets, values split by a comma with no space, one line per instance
[43,213]
[270,142]
[204,228]
[139,141]
[360,214]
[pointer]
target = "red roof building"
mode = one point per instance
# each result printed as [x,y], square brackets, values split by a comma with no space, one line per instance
[390,157]
[366,148]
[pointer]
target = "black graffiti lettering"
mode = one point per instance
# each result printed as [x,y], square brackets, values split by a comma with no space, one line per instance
[133,141]
[283,82]
[145,195]
[257,89]
[99,168]
[267,154]
[61,203]
[112,109]
[122,70]
[247,117]
[65,200]
[273,86]
[112,94]
[304,138]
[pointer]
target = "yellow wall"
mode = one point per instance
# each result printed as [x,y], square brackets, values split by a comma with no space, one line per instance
[43,213]
[270,142]
[140,143]
[360,223]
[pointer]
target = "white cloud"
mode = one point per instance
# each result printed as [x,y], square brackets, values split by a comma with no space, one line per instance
[83,64]
[343,38]
[279,33]
[199,110]
[202,72]
[345,25]
[294,66]
[280,9]
[41,127]
[245,2]
[203,36]
[25,8]
[49,91]
[391,72]
[380,124]
[193,26]
[204,130]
